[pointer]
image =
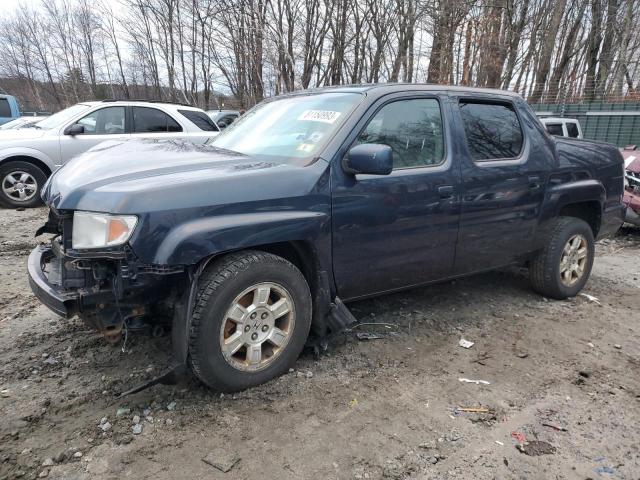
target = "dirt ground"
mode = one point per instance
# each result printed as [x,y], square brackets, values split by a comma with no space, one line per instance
[563,375]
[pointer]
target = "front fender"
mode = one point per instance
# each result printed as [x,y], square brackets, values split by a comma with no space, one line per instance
[7,153]
[194,240]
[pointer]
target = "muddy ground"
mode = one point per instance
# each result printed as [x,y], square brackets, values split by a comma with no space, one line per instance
[385,408]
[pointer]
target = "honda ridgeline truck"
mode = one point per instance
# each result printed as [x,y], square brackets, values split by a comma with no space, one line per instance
[252,244]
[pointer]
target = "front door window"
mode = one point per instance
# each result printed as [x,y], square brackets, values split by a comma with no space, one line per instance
[106,121]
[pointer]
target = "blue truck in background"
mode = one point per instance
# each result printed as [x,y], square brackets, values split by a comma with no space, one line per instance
[9,109]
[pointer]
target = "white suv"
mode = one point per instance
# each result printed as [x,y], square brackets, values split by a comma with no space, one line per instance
[29,155]
[562,126]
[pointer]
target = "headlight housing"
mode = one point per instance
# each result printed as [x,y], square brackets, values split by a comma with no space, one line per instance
[99,230]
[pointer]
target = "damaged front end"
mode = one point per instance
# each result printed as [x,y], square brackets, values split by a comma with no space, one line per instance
[631,197]
[110,289]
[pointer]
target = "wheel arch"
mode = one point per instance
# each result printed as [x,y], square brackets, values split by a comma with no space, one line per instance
[46,169]
[590,211]
[582,199]
[304,255]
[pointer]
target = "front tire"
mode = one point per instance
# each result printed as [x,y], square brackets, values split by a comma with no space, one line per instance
[563,267]
[250,322]
[20,184]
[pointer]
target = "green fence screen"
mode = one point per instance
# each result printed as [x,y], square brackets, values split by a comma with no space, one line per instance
[617,123]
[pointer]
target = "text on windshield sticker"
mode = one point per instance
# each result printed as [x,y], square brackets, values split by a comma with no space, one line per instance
[325,116]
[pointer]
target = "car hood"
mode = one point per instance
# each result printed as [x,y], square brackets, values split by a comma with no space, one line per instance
[18,134]
[137,176]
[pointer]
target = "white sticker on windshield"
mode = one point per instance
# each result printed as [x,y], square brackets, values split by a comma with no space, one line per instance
[324,116]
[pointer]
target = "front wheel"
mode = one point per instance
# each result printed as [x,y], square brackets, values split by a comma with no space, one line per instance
[250,322]
[563,267]
[21,184]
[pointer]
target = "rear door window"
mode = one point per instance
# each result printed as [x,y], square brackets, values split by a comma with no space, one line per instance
[152,120]
[200,120]
[5,108]
[555,129]
[493,130]
[572,130]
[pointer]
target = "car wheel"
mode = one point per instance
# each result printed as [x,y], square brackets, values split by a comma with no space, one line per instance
[250,321]
[563,267]
[21,183]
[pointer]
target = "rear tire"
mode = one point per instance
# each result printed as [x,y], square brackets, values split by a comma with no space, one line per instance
[20,184]
[563,267]
[250,322]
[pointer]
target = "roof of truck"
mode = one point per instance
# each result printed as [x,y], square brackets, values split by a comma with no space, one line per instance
[400,87]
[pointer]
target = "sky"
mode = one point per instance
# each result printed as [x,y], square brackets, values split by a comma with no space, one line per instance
[8,6]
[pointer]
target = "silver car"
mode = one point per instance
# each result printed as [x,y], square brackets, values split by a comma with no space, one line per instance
[29,155]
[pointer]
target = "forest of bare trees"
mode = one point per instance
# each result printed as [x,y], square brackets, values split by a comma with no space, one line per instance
[58,52]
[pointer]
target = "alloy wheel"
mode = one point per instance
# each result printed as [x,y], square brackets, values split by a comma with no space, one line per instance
[573,260]
[257,326]
[19,186]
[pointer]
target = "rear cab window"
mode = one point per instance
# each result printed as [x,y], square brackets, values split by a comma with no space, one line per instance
[572,130]
[200,120]
[555,129]
[492,129]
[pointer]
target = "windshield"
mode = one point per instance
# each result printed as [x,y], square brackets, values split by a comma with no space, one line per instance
[62,116]
[290,127]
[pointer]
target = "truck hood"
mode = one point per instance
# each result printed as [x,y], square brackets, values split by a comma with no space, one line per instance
[138,176]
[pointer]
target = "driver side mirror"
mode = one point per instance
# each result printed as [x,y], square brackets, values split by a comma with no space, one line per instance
[369,158]
[75,129]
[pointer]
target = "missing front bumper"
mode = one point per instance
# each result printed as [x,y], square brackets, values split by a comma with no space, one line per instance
[61,302]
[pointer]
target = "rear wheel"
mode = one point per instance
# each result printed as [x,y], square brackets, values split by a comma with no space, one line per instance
[250,322]
[21,183]
[563,267]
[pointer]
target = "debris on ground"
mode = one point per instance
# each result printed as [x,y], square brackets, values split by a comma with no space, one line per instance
[536,448]
[481,358]
[603,469]
[465,343]
[122,411]
[136,429]
[591,298]
[519,437]
[477,382]
[221,460]
[555,427]
[473,409]
[368,336]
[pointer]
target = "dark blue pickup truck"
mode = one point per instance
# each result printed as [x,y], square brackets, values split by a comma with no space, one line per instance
[249,246]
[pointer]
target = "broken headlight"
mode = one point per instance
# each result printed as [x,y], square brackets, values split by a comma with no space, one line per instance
[99,230]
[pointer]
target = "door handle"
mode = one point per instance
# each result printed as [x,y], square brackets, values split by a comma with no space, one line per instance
[445,191]
[534,183]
